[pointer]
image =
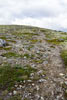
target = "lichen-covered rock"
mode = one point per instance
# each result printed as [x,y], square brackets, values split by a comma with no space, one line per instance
[2,43]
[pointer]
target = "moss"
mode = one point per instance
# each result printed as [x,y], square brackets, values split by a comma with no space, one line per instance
[7,48]
[5,92]
[30,47]
[44,30]
[9,40]
[10,75]
[26,55]
[16,97]
[38,61]
[64,57]
[33,41]
[3,37]
[11,54]
[54,41]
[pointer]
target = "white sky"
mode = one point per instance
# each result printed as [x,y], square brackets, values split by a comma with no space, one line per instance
[42,13]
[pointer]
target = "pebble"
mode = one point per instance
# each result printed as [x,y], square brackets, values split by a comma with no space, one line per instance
[39,72]
[10,94]
[24,81]
[37,96]
[32,74]
[61,74]
[42,98]
[33,84]
[20,86]
[33,65]
[65,82]
[29,80]
[45,62]
[14,92]
[25,57]
[16,85]
[42,80]
[37,87]
[38,51]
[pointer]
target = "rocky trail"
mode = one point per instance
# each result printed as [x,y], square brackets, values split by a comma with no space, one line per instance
[48,81]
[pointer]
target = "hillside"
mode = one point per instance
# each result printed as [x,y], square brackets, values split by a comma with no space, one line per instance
[33,63]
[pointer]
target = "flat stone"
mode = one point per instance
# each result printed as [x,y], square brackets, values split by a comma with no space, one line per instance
[61,74]
[42,80]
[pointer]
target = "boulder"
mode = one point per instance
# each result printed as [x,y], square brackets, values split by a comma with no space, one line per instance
[2,43]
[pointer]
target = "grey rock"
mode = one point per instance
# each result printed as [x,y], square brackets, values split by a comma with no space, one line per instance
[14,92]
[2,43]
[45,62]
[61,40]
[42,80]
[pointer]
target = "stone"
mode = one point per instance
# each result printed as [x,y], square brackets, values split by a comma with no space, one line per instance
[32,74]
[10,94]
[25,57]
[16,85]
[33,65]
[40,72]
[37,96]
[42,98]
[20,86]
[45,62]
[37,87]
[33,84]
[61,74]
[14,92]
[61,40]
[65,82]
[42,80]
[2,43]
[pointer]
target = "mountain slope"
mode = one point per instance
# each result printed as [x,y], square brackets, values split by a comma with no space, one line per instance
[33,64]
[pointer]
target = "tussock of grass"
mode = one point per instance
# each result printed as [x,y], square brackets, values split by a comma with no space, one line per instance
[64,57]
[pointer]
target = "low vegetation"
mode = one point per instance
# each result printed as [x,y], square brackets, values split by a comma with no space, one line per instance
[64,57]
[10,75]
[11,54]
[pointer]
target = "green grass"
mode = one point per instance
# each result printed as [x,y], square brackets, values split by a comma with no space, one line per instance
[10,40]
[28,55]
[55,41]
[16,97]
[33,41]
[64,57]
[30,47]
[10,75]
[38,61]
[11,54]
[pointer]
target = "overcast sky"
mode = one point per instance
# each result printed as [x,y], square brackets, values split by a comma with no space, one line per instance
[42,13]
